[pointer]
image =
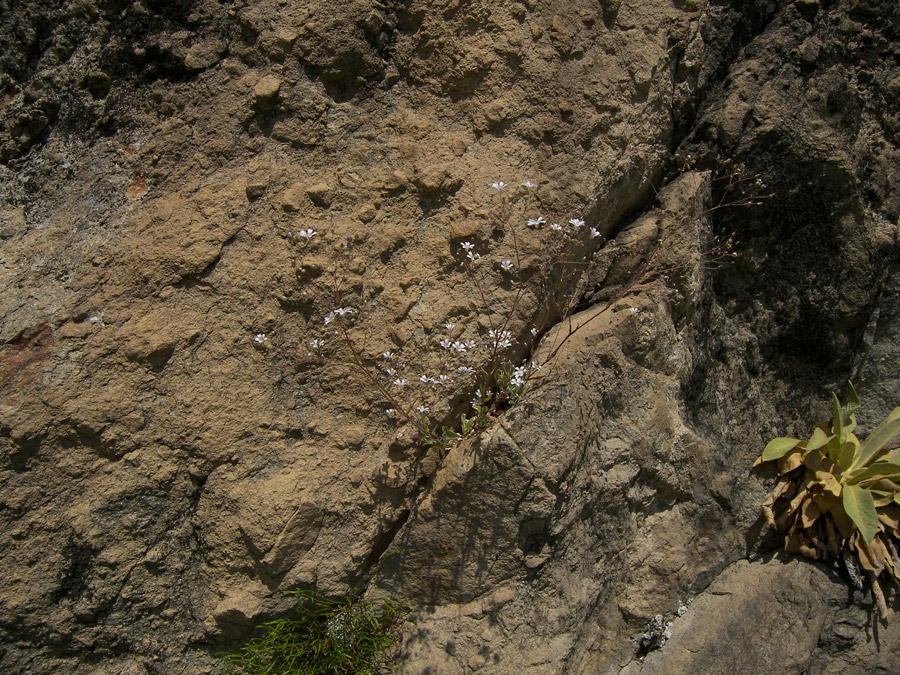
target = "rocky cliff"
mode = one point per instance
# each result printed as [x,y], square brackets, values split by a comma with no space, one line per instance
[173,456]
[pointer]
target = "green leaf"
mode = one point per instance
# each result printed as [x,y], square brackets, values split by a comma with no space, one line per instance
[860,506]
[839,432]
[779,447]
[818,439]
[852,406]
[848,453]
[887,469]
[878,439]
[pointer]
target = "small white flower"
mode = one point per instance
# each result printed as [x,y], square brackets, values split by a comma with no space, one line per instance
[556,227]
[534,332]
[390,412]
[442,379]
[343,310]
[387,356]
[535,366]
[307,234]
[459,347]
[469,344]
[446,344]
[536,222]
[506,265]
[576,222]
[473,256]
[465,370]
[329,318]
[449,327]
[498,186]
[467,246]
[422,409]
[260,338]
[594,233]
[390,372]
[425,379]
[316,344]
[528,184]
[475,402]
[634,310]
[399,382]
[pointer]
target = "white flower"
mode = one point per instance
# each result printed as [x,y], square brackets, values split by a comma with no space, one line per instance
[425,379]
[467,246]
[536,222]
[316,344]
[465,370]
[594,233]
[399,382]
[260,338]
[535,366]
[556,227]
[576,222]
[329,318]
[449,327]
[634,310]
[387,356]
[307,234]
[343,310]
[441,379]
[534,332]
[498,186]
[422,409]
[518,378]
[475,402]
[469,344]
[460,347]
[390,372]
[446,344]
[473,256]
[501,338]
[390,412]
[528,184]
[506,265]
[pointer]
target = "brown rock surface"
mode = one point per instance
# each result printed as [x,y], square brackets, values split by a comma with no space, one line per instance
[165,474]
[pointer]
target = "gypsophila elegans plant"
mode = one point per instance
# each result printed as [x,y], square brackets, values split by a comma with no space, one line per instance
[325,636]
[481,365]
[838,498]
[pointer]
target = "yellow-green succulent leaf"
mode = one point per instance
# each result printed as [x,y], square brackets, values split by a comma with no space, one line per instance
[860,507]
[779,447]
[818,439]
[875,441]
[848,453]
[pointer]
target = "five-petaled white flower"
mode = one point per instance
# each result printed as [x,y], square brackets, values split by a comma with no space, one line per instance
[389,412]
[465,370]
[534,332]
[316,344]
[498,186]
[307,234]
[446,344]
[390,372]
[467,246]
[594,233]
[506,265]
[387,356]
[399,382]
[259,338]
[634,310]
[536,222]
[556,227]
[449,327]
[422,409]
[576,222]
[528,184]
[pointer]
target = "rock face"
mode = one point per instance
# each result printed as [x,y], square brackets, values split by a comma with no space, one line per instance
[188,189]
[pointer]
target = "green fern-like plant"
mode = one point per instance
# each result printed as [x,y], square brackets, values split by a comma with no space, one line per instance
[346,636]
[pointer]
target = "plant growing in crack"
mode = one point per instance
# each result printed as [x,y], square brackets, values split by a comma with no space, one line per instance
[482,366]
[838,498]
